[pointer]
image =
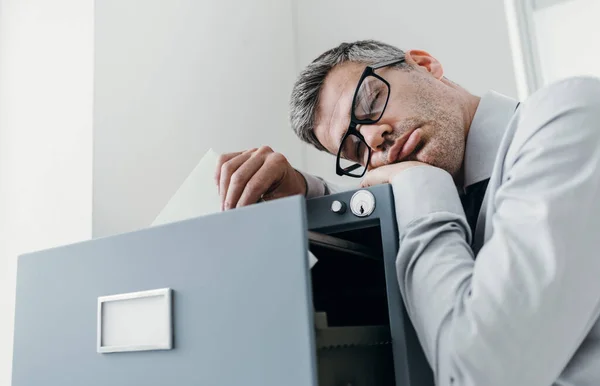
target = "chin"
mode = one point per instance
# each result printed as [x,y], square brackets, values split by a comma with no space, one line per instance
[446,162]
[445,151]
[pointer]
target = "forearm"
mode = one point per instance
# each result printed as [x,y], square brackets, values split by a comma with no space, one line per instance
[516,315]
[498,322]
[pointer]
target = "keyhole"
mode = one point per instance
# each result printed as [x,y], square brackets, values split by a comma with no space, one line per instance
[362,210]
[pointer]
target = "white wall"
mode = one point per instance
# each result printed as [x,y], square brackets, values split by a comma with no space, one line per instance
[45,137]
[469,37]
[173,78]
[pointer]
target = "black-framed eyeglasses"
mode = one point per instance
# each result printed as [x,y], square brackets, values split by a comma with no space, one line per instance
[368,105]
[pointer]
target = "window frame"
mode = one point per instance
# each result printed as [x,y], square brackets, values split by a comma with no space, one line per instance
[528,45]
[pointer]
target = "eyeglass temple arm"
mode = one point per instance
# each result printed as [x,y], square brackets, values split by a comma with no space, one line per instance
[388,63]
[352,168]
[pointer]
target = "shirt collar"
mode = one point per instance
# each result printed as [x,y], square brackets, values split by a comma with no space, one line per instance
[487,129]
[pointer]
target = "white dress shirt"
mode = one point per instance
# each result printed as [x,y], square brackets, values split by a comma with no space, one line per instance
[520,307]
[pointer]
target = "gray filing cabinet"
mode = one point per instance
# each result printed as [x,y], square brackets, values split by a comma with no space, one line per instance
[237,303]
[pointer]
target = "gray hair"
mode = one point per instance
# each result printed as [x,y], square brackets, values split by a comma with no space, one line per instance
[305,94]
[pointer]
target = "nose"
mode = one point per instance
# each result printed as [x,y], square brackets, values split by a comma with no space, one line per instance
[375,135]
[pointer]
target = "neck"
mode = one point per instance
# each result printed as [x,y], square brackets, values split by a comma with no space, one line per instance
[468,104]
[469,107]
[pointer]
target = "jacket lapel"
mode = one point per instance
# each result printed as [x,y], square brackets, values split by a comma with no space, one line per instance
[484,229]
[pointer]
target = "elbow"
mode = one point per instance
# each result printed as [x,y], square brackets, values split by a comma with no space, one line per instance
[464,364]
[466,354]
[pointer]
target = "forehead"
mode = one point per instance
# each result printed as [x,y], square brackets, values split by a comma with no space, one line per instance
[335,100]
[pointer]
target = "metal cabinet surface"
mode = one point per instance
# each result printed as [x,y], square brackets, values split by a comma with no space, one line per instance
[365,268]
[246,308]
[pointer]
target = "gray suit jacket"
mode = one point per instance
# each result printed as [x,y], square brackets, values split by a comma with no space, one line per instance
[520,306]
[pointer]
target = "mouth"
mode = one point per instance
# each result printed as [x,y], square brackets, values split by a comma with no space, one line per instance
[404,146]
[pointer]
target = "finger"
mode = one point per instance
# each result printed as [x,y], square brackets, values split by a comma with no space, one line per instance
[364,183]
[241,178]
[227,171]
[222,159]
[374,177]
[264,180]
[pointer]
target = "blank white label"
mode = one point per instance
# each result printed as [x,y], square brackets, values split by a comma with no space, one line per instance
[137,321]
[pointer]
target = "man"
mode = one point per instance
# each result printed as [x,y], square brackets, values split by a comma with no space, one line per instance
[505,295]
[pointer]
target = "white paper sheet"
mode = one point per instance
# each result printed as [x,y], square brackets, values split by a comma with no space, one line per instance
[198,196]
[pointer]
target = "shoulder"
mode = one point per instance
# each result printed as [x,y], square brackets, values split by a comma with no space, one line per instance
[561,110]
[576,88]
[555,137]
[567,94]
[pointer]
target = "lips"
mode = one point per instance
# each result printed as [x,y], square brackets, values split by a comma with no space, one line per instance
[404,146]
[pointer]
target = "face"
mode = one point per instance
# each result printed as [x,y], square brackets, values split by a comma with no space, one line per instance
[423,120]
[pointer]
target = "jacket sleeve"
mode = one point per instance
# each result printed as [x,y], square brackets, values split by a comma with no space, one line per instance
[317,187]
[516,314]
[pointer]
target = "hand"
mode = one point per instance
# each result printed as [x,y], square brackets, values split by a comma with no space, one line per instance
[385,174]
[243,178]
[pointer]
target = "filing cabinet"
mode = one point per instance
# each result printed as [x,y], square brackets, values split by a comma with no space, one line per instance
[225,299]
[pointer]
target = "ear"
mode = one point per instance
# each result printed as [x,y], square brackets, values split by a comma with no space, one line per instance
[425,61]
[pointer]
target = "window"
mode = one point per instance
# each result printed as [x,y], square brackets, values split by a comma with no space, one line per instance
[557,39]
